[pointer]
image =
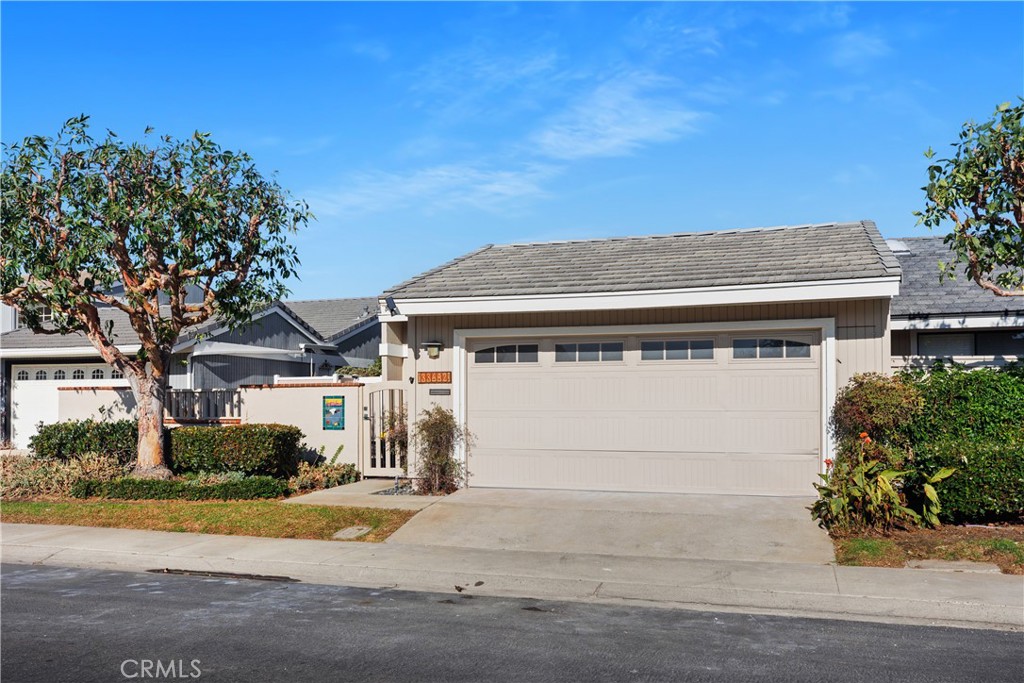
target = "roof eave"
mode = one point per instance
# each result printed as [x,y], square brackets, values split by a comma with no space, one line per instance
[789,292]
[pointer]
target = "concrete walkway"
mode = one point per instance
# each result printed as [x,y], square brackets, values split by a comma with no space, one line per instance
[918,596]
[364,494]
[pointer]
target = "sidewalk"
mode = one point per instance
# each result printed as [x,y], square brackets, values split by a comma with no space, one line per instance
[917,596]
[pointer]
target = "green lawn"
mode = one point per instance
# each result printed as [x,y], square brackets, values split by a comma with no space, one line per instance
[1000,545]
[241,518]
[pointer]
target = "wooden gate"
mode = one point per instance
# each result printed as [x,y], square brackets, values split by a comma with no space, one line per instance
[382,452]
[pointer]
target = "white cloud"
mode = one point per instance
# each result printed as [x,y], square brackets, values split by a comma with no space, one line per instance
[615,119]
[375,50]
[433,189]
[856,49]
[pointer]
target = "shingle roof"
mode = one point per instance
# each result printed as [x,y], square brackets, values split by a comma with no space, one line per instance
[832,251]
[922,295]
[332,317]
[324,318]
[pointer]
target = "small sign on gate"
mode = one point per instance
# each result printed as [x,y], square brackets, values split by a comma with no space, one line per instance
[334,412]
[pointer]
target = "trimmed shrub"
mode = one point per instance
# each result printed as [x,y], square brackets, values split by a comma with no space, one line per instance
[22,477]
[878,405]
[74,438]
[176,489]
[988,484]
[253,449]
[316,477]
[983,404]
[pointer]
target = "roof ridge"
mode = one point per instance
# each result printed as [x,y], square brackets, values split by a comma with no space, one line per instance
[335,298]
[693,233]
[881,247]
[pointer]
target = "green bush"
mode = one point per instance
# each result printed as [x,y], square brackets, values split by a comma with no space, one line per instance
[878,405]
[177,489]
[988,484]
[437,435]
[315,477]
[972,405]
[254,449]
[72,439]
[22,477]
[868,487]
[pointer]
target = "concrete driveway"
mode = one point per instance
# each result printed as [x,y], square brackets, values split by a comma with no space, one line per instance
[711,527]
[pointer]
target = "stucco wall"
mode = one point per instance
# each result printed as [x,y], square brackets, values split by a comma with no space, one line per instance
[302,406]
[83,403]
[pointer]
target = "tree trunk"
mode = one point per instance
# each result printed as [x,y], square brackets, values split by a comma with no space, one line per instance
[150,395]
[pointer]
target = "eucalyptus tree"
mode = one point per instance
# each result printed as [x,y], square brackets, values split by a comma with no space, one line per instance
[170,233]
[980,190]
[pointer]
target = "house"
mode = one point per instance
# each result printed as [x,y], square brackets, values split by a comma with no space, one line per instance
[698,362]
[953,320]
[286,339]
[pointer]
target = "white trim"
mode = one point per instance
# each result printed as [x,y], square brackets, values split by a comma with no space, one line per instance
[964,322]
[826,327]
[64,352]
[393,350]
[211,348]
[863,288]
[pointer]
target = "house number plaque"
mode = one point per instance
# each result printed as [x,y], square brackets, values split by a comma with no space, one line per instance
[434,378]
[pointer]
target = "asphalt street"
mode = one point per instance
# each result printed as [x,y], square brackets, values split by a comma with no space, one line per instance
[88,625]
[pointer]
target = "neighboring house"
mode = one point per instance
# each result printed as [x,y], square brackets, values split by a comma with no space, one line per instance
[287,339]
[703,362]
[949,320]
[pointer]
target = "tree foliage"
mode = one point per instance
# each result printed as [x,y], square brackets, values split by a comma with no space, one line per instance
[168,232]
[980,189]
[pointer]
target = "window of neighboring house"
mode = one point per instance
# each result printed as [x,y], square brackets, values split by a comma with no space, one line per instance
[116,374]
[45,316]
[1000,343]
[677,349]
[22,375]
[40,374]
[78,374]
[507,353]
[59,374]
[97,373]
[588,352]
[944,344]
[770,348]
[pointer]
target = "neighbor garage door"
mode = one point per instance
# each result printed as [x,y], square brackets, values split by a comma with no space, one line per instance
[715,413]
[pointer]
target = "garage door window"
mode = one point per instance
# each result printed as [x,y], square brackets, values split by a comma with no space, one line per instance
[78,374]
[40,374]
[97,374]
[589,352]
[508,353]
[59,374]
[677,349]
[22,375]
[770,348]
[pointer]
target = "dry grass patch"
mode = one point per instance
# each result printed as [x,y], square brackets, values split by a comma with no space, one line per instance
[1000,545]
[237,518]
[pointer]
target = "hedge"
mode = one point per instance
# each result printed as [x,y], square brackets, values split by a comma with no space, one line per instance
[988,484]
[255,449]
[158,489]
[75,438]
[983,404]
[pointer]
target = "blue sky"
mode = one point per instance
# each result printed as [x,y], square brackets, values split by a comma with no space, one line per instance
[419,132]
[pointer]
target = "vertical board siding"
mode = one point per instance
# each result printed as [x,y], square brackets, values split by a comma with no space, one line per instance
[228,372]
[862,332]
[270,331]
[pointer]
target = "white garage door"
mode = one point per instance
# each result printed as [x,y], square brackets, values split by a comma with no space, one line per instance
[34,396]
[715,413]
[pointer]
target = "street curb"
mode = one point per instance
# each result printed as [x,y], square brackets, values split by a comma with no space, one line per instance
[334,566]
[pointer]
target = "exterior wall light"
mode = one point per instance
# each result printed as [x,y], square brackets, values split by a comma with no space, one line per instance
[433,348]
